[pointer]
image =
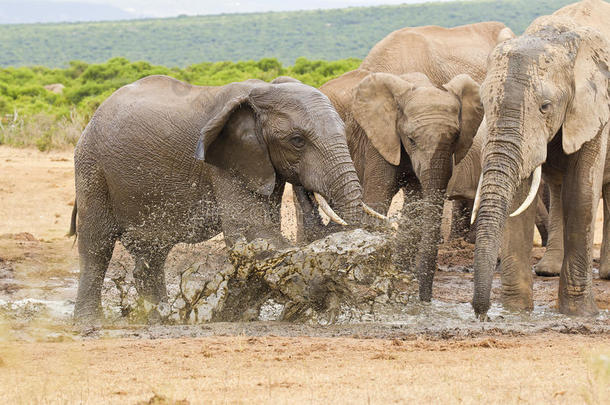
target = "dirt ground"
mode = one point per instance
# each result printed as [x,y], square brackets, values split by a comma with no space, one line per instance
[538,358]
[551,368]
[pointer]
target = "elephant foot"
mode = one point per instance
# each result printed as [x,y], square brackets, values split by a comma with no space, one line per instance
[604,271]
[584,306]
[549,265]
[425,291]
[518,304]
[87,317]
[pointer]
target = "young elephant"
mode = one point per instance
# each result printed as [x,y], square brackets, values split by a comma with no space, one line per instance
[403,131]
[137,179]
[547,109]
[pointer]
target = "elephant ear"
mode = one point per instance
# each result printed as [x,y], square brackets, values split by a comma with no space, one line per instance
[376,108]
[589,111]
[471,111]
[230,142]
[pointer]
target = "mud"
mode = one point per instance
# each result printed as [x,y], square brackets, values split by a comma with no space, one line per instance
[33,312]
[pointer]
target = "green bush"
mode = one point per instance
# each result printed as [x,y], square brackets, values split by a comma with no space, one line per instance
[30,115]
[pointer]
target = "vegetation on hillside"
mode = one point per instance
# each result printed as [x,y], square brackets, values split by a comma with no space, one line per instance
[31,115]
[322,34]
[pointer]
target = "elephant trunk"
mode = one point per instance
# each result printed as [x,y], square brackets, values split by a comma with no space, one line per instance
[342,187]
[499,181]
[434,181]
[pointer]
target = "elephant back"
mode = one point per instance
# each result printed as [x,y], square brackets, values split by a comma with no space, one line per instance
[440,53]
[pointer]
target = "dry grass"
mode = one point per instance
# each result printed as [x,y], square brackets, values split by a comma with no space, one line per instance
[543,369]
[42,131]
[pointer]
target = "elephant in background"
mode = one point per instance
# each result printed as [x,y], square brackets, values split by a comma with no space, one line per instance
[547,110]
[138,181]
[410,112]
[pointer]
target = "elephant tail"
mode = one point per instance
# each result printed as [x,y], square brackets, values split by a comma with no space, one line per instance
[72,231]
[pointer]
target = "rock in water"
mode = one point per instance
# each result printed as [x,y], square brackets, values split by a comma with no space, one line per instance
[347,276]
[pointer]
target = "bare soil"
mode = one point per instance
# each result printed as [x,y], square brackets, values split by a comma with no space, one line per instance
[436,352]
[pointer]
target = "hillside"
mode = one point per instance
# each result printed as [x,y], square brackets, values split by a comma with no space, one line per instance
[322,34]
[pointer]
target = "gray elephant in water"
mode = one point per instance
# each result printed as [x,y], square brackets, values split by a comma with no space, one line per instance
[138,181]
[547,110]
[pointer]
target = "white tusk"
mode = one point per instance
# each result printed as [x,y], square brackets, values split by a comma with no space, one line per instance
[373,213]
[477,202]
[533,192]
[327,210]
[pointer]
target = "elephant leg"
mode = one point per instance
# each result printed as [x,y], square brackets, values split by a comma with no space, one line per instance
[517,279]
[380,182]
[460,221]
[580,197]
[542,217]
[96,239]
[149,275]
[408,235]
[550,264]
[604,267]
[245,214]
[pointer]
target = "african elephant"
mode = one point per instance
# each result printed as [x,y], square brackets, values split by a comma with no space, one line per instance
[410,111]
[163,162]
[547,107]
[515,251]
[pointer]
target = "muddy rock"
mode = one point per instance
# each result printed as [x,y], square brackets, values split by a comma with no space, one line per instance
[346,276]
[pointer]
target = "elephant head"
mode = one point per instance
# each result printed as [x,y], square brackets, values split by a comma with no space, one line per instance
[268,133]
[435,127]
[550,82]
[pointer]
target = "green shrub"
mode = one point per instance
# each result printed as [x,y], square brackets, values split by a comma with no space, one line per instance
[47,120]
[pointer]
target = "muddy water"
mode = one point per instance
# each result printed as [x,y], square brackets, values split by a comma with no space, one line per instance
[41,309]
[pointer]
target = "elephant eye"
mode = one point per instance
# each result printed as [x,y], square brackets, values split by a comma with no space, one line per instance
[297,141]
[545,107]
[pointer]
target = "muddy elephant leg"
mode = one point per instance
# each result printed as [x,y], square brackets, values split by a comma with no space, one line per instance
[95,251]
[542,216]
[461,212]
[380,182]
[580,197]
[96,239]
[550,264]
[246,214]
[517,279]
[604,266]
[149,275]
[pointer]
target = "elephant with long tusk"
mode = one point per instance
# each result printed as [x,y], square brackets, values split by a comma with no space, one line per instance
[547,109]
